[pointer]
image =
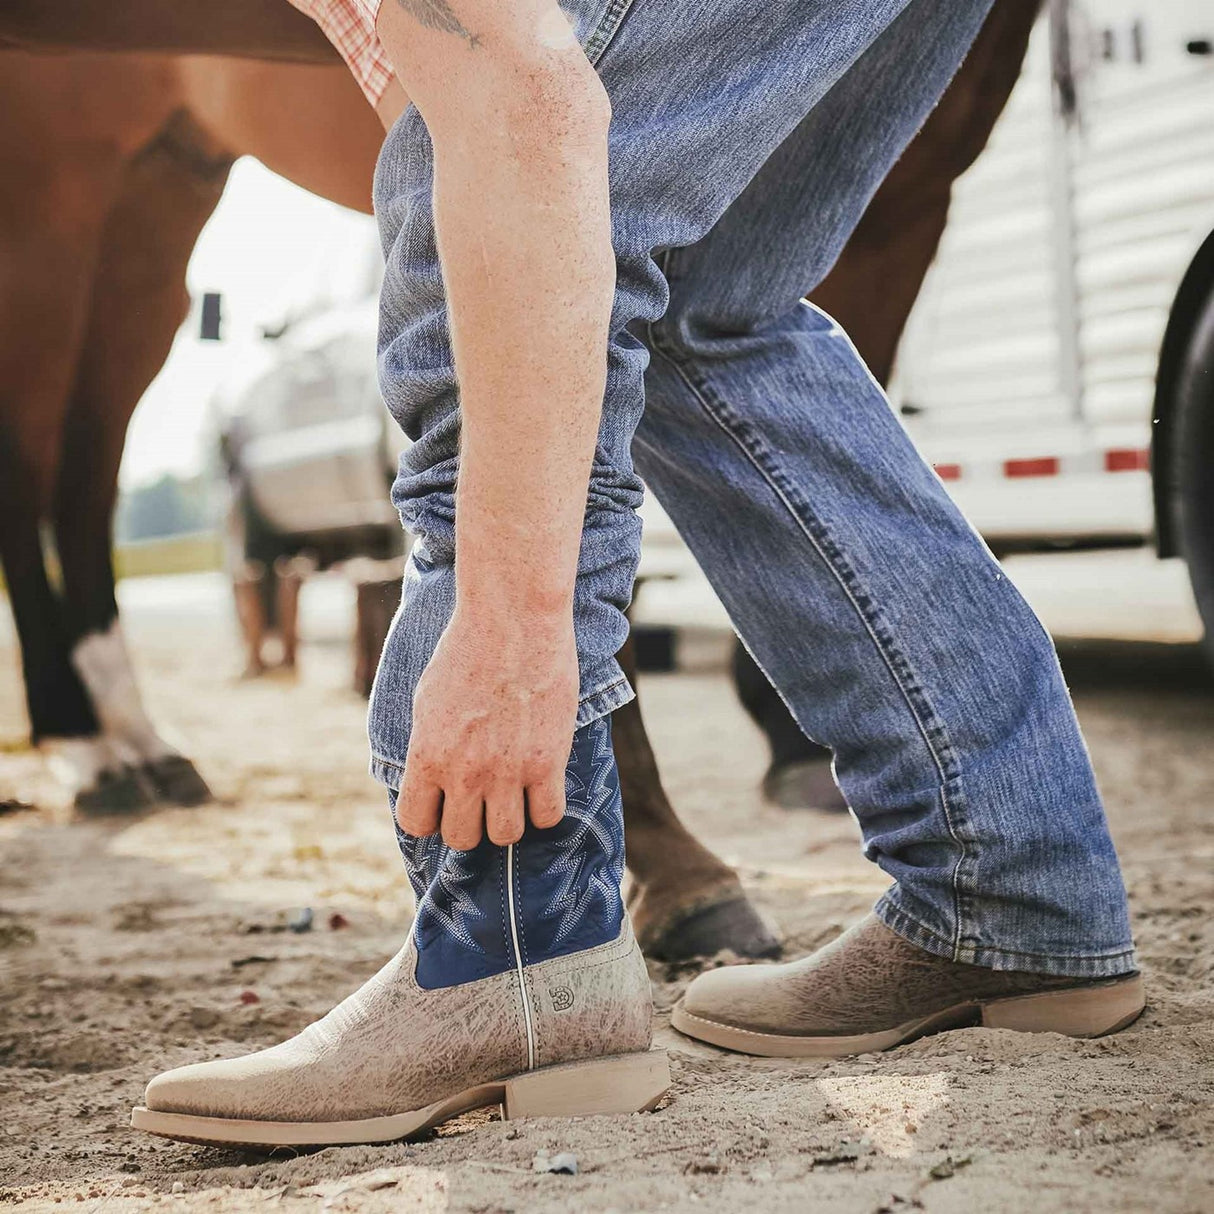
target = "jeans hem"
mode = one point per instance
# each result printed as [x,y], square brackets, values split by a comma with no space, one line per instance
[1113,964]
[388,773]
[604,700]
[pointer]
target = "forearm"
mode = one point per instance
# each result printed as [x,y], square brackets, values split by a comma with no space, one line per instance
[518,123]
[524,237]
[523,227]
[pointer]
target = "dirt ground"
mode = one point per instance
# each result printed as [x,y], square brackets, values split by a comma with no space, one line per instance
[129,946]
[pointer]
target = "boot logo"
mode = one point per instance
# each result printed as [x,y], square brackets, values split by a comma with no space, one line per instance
[562,998]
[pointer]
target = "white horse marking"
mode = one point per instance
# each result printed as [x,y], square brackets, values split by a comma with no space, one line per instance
[102,661]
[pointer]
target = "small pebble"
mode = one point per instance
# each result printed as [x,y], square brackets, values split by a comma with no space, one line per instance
[249,997]
[203,1017]
[563,1163]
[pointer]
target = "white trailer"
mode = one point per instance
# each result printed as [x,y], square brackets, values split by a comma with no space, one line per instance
[1058,368]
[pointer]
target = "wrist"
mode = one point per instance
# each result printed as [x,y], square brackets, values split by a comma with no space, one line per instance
[508,578]
[502,618]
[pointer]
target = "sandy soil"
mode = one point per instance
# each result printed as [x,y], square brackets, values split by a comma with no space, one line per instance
[129,946]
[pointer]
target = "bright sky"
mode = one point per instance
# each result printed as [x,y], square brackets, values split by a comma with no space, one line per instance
[269,248]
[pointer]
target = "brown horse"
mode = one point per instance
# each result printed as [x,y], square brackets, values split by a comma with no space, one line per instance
[113,162]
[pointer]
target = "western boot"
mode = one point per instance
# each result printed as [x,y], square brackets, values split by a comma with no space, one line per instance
[872,990]
[521,985]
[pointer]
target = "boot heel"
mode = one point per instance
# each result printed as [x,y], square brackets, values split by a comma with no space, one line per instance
[1088,1011]
[626,1083]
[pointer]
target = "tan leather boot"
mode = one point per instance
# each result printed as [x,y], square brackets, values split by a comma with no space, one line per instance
[564,1037]
[871,990]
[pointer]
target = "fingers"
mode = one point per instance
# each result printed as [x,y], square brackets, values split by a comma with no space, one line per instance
[546,801]
[419,806]
[504,815]
[463,818]
[463,814]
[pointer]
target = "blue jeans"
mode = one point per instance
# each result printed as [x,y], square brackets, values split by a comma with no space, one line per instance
[743,152]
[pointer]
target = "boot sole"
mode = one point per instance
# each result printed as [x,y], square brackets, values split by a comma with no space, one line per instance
[627,1083]
[1083,1011]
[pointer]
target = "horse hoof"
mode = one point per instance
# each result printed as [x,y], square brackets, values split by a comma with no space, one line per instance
[805,784]
[732,924]
[176,780]
[123,791]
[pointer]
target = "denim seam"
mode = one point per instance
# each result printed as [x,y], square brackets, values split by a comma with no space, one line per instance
[848,582]
[392,763]
[603,701]
[587,696]
[960,898]
[903,922]
[609,24]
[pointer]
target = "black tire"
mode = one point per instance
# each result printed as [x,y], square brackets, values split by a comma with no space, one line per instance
[1193,462]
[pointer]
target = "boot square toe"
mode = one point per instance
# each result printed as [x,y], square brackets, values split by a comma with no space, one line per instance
[203,1089]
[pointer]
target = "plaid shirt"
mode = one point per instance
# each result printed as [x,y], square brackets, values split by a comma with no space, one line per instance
[350,26]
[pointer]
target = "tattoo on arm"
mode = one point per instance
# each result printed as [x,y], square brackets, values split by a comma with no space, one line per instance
[437,15]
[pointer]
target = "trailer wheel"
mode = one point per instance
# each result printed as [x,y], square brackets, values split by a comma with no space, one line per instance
[1193,461]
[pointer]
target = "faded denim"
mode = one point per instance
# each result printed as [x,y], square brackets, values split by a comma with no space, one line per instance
[745,145]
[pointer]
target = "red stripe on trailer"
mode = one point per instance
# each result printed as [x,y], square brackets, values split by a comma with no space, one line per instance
[948,472]
[1046,465]
[1127,460]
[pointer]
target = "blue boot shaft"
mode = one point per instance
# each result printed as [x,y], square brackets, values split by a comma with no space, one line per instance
[556,891]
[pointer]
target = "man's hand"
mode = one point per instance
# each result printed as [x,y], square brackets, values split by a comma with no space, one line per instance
[491,734]
[518,120]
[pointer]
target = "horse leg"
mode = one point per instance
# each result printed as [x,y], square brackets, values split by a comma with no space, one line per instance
[870,292]
[138,301]
[684,901]
[55,698]
[799,774]
[51,211]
